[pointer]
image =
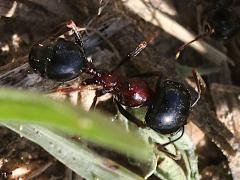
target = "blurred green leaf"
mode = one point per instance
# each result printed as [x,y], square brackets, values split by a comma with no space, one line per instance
[27,107]
[187,149]
[168,169]
[77,157]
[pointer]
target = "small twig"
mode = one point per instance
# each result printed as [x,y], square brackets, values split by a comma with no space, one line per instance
[40,170]
[102,5]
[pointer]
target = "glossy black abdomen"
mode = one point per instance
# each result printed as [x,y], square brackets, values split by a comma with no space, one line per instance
[170,107]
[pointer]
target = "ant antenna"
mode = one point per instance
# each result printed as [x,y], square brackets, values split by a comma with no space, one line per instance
[102,5]
[201,85]
[208,32]
[78,37]
[137,51]
[90,68]
[132,54]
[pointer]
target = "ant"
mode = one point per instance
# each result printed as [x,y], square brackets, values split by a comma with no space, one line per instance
[220,23]
[168,106]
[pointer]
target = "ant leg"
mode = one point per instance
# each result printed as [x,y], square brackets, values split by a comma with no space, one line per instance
[134,53]
[201,85]
[90,81]
[78,37]
[72,89]
[54,34]
[161,147]
[174,140]
[171,155]
[99,93]
[129,116]
[59,30]
[68,89]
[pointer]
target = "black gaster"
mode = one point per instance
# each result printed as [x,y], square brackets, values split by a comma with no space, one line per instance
[67,63]
[170,107]
[224,22]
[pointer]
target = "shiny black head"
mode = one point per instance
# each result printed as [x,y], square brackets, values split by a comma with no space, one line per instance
[170,107]
[61,60]
[222,23]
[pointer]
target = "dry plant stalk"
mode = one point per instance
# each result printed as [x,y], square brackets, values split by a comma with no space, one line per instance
[157,18]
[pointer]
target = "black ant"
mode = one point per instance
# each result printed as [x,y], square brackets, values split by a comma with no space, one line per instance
[168,106]
[220,22]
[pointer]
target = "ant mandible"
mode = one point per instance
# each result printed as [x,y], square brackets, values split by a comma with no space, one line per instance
[220,23]
[168,106]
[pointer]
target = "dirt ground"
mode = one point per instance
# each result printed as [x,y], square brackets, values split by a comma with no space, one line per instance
[215,119]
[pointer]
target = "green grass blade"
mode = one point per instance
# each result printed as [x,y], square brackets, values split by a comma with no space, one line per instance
[80,159]
[32,108]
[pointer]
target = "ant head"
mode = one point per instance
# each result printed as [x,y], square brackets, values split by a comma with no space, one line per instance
[222,24]
[68,61]
[60,60]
